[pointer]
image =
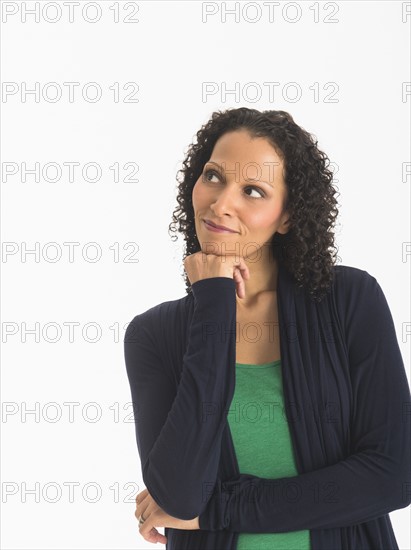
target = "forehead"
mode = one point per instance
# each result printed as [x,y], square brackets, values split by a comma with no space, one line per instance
[239,149]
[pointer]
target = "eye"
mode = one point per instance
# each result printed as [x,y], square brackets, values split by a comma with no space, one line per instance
[211,172]
[262,194]
[207,172]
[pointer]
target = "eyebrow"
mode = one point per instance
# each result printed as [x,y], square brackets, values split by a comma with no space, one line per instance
[246,179]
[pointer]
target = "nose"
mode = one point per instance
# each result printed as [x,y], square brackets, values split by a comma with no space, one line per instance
[225,201]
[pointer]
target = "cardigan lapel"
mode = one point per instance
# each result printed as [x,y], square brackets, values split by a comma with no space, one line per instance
[316,382]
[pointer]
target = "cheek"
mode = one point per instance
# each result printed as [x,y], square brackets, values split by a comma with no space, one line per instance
[198,196]
[265,219]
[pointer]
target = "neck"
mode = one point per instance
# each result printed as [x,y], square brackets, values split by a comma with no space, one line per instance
[263,278]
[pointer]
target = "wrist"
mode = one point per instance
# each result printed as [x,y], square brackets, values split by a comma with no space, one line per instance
[196,522]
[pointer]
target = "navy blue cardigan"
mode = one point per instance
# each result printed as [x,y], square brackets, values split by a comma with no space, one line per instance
[347,401]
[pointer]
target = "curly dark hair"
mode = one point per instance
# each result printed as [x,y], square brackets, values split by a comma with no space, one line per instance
[307,250]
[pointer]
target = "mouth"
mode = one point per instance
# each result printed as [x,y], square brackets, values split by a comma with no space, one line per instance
[220,228]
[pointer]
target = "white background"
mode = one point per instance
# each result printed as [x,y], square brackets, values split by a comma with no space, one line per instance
[170,53]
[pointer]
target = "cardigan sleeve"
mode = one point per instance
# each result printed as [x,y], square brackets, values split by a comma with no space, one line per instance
[375,478]
[179,427]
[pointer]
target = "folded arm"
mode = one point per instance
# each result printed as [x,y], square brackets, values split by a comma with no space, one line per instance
[179,430]
[374,479]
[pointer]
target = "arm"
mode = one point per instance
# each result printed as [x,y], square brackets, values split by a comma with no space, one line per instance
[179,433]
[375,479]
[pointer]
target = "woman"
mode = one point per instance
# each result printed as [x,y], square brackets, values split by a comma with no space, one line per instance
[269,324]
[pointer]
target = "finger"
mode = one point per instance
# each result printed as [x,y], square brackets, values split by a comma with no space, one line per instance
[141,496]
[243,267]
[140,499]
[241,291]
[162,539]
[237,275]
[150,537]
[158,537]
[142,510]
[149,532]
[240,283]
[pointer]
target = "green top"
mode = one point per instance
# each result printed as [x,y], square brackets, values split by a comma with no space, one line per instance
[262,443]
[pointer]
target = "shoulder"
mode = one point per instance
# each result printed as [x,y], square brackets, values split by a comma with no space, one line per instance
[350,274]
[172,315]
[352,280]
[352,290]
[161,317]
[356,292]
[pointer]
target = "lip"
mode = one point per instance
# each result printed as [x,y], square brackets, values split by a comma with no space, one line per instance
[217,228]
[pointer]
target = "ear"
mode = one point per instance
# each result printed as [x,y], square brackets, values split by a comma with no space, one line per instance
[285,224]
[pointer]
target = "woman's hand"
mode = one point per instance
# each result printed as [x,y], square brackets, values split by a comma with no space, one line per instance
[154,516]
[200,266]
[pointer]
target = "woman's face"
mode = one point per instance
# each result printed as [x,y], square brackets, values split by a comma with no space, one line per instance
[222,194]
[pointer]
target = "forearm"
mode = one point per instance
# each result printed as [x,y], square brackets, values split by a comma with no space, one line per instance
[360,488]
[185,452]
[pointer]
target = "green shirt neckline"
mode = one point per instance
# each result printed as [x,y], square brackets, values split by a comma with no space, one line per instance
[269,364]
